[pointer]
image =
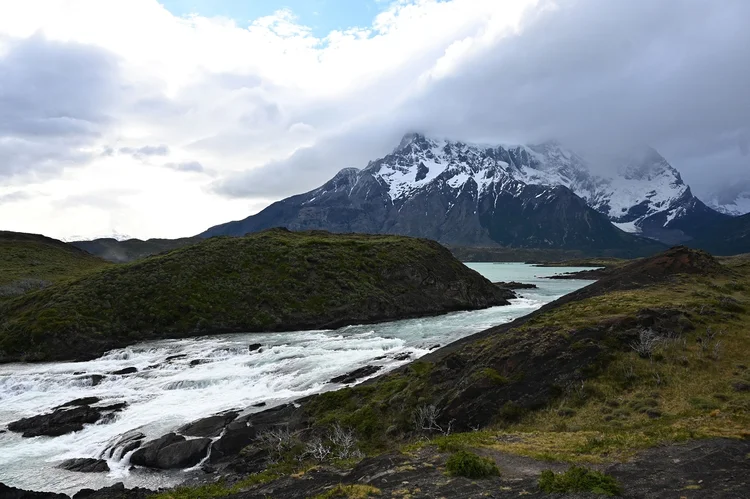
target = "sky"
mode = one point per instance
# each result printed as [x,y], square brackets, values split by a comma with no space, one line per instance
[161,119]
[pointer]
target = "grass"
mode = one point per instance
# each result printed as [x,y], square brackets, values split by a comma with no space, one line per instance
[350,492]
[33,259]
[220,489]
[579,479]
[470,465]
[274,280]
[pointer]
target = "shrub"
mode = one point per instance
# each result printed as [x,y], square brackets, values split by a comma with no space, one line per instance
[468,464]
[579,479]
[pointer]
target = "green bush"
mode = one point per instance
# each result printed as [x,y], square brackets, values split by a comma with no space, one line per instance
[468,464]
[579,479]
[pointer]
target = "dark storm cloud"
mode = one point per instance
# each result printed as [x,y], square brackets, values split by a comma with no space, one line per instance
[597,76]
[55,101]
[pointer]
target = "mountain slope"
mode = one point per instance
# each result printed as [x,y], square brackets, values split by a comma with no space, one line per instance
[455,194]
[32,261]
[271,281]
[729,238]
[120,251]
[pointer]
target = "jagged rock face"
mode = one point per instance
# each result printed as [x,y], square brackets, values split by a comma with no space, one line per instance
[526,196]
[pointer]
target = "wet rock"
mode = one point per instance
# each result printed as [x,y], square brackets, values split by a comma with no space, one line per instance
[259,404]
[96,379]
[434,347]
[211,426]
[85,465]
[7,492]
[183,454]
[116,491]
[127,370]
[123,444]
[78,373]
[515,285]
[238,435]
[63,419]
[197,362]
[175,357]
[402,356]
[254,347]
[81,401]
[146,454]
[353,376]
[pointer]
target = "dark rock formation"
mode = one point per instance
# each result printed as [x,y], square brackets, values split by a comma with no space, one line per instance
[211,426]
[123,444]
[64,419]
[170,452]
[237,436]
[515,285]
[7,492]
[254,347]
[85,465]
[127,370]
[355,375]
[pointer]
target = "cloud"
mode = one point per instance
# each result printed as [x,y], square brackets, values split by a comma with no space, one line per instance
[187,166]
[56,100]
[144,152]
[15,196]
[276,110]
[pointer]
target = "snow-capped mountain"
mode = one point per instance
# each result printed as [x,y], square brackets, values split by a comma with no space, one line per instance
[733,199]
[460,194]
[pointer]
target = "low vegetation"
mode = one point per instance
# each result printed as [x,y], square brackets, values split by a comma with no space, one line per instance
[579,479]
[270,281]
[470,465]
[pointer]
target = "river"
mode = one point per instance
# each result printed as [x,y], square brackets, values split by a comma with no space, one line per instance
[164,395]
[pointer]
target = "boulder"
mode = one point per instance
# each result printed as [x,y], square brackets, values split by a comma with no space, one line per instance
[146,454]
[183,454]
[127,370]
[238,435]
[175,357]
[353,376]
[85,465]
[81,401]
[116,491]
[402,356]
[197,362]
[254,347]
[96,379]
[60,421]
[211,426]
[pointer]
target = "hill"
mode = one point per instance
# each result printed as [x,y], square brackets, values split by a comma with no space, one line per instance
[271,281]
[642,375]
[32,261]
[131,249]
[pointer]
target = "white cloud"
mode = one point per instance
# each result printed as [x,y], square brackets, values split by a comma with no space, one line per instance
[143,100]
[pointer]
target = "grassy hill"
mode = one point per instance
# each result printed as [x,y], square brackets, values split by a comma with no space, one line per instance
[131,249]
[31,261]
[652,356]
[269,281]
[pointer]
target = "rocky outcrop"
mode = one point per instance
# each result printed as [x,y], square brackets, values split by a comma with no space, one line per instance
[7,492]
[355,375]
[171,451]
[515,285]
[85,465]
[211,426]
[67,418]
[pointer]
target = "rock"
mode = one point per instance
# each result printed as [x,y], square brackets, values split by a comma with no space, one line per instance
[183,454]
[123,444]
[81,401]
[259,404]
[434,347]
[7,492]
[116,491]
[238,435]
[196,362]
[127,370]
[146,454]
[96,379]
[353,376]
[211,426]
[402,356]
[515,285]
[254,347]
[175,357]
[61,420]
[85,465]
[78,373]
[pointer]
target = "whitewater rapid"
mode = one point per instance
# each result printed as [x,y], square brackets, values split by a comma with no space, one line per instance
[217,373]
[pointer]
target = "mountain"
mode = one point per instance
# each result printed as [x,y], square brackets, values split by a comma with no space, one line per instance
[731,237]
[461,195]
[732,199]
[120,251]
[275,280]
